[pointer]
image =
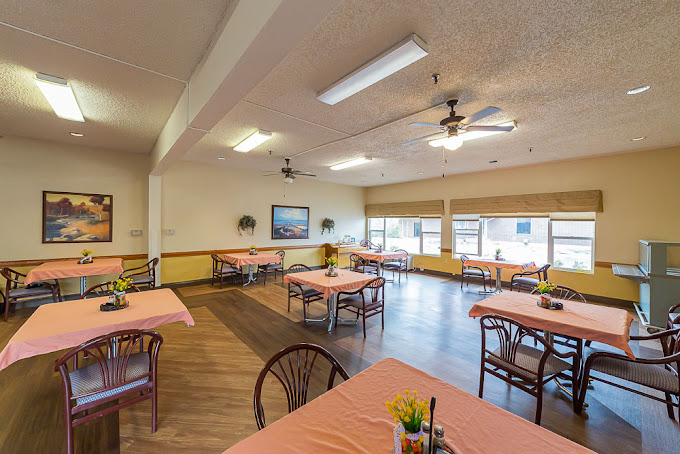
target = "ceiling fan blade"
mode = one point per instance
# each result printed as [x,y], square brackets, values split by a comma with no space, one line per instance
[307,175]
[427,125]
[271,174]
[479,115]
[435,136]
[490,128]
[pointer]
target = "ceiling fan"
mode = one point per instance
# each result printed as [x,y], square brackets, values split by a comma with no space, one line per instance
[289,173]
[453,128]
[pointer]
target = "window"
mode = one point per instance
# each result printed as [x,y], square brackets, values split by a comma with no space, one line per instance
[572,244]
[466,234]
[524,226]
[413,234]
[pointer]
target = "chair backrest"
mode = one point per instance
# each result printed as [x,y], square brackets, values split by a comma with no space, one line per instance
[298,268]
[13,278]
[356,261]
[365,243]
[402,251]
[293,367]
[111,352]
[463,258]
[103,289]
[565,293]
[218,262]
[281,254]
[510,334]
[374,288]
[543,272]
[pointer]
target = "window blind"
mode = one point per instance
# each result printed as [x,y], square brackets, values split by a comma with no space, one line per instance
[552,202]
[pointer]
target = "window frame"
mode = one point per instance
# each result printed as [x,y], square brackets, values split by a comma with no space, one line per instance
[479,235]
[551,245]
[421,231]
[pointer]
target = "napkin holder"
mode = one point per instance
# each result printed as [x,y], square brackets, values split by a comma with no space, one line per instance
[108,307]
[553,305]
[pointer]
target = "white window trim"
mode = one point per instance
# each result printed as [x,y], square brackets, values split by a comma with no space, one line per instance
[474,217]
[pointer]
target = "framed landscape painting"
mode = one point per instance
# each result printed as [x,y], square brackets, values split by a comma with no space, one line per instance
[290,222]
[77,218]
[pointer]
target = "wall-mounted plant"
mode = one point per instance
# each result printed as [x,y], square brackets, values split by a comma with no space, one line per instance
[327,224]
[246,222]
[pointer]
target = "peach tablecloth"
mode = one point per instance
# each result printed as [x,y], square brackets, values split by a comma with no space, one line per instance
[71,268]
[346,281]
[58,326]
[509,264]
[381,256]
[243,258]
[608,325]
[351,418]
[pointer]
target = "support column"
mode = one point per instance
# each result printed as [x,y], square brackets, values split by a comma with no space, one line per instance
[155,222]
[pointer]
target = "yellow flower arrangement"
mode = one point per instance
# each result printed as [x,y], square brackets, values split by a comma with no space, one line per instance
[252,247]
[120,285]
[332,261]
[86,252]
[409,410]
[545,287]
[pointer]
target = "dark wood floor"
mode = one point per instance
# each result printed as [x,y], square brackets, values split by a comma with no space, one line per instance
[207,374]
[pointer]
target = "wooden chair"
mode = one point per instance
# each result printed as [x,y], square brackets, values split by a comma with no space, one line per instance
[272,267]
[110,372]
[398,265]
[143,275]
[567,294]
[104,289]
[523,281]
[302,292]
[368,244]
[673,317]
[531,366]
[661,374]
[16,290]
[360,265]
[473,272]
[223,268]
[364,305]
[293,367]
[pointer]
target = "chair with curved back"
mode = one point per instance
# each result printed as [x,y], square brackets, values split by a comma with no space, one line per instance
[222,268]
[523,281]
[363,304]
[293,367]
[567,294]
[144,275]
[661,374]
[302,292]
[16,290]
[272,267]
[360,265]
[104,289]
[398,265]
[108,370]
[368,244]
[532,367]
[473,272]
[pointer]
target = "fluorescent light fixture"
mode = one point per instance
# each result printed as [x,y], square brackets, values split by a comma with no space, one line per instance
[352,163]
[638,90]
[635,139]
[77,134]
[221,158]
[58,93]
[258,137]
[408,51]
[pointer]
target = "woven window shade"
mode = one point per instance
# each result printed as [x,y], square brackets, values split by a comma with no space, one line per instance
[552,202]
[428,207]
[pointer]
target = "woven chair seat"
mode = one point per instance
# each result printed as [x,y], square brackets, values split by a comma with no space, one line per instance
[27,292]
[89,378]
[395,265]
[306,290]
[356,301]
[478,273]
[227,270]
[651,375]
[528,358]
[272,266]
[141,279]
[525,281]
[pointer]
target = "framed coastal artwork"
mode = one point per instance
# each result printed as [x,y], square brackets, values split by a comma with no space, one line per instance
[290,222]
[70,217]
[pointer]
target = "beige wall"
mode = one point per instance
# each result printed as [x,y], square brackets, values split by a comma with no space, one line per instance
[203,204]
[641,192]
[27,167]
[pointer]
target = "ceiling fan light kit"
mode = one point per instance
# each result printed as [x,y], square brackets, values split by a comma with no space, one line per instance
[406,52]
[289,173]
[257,138]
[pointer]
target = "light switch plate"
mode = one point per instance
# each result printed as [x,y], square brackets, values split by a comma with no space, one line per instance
[135,233]
[169,232]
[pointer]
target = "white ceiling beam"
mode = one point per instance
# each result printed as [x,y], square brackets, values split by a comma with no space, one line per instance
[256,37]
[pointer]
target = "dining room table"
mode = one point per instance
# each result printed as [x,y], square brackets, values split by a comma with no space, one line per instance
[62,269]
[381,257]
[345,281]
[58,326]
[499,265]
[352,418]
[240,259]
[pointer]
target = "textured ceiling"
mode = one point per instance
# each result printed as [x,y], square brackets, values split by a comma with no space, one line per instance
[560,70]
[125,108]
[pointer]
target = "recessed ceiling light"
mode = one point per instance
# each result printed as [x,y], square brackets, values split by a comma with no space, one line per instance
[58,93]
[420,173]
[638,90]
[258,137]
[638,138]
[389,62]
[352,163]
[76,134]
[493,162]
[221,158]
